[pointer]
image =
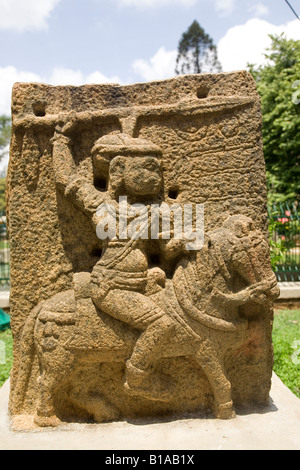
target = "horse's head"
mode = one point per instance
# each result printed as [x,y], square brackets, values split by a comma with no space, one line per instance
[239,225]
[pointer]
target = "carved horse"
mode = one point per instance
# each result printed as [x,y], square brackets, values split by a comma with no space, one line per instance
[67,329]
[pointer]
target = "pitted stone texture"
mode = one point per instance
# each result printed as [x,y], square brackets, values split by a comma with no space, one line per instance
[119,328]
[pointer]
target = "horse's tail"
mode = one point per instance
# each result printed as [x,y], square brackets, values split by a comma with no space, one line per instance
[27,348]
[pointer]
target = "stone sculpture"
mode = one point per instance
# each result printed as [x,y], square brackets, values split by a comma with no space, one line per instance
[112,316]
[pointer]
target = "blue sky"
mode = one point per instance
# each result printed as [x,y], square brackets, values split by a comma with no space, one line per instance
[127,41]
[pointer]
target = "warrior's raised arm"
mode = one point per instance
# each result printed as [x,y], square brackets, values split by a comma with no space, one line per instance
[77,188]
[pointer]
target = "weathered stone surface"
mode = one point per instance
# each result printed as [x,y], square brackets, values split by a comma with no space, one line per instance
[107,329]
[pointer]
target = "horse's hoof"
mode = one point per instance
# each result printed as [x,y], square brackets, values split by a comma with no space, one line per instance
[225,411]
[47,421]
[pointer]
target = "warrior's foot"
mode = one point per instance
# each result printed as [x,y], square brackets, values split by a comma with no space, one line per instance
[146,384]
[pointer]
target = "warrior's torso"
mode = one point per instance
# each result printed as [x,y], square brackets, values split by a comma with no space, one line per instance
[124,256]
[123,265]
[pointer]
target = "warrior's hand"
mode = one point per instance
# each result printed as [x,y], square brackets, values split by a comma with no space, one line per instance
[66,123]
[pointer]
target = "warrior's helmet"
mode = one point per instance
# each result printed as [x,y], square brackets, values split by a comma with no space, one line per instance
[114,145]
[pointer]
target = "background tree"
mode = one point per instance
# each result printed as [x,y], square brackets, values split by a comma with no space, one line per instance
[278,84]
[5,132]
[2,198]
[196,52]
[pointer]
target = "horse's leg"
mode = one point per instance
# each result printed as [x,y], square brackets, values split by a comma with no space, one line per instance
[55,367]
[45,414]
[208,360]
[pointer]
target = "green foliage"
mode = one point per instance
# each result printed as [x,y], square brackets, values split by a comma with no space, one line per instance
[5,133]
[286,341]
[277,245]
[6,339]
[284,229]
[278,84]
[2,194]
[196,52]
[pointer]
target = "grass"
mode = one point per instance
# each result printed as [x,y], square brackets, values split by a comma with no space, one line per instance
[286,340]
[6,348]
[4,271]
[4,244]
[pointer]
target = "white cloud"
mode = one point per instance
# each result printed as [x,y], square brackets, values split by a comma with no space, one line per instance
[64,76]
[160,66]
[259,9]
[247,43]
[8,76]
[4,162]
[25,15]
[225,7]
[59,76]
[155,3]
[98,77]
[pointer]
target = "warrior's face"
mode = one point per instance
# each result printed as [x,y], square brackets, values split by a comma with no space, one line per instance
[135,176]
[142,176]
[132,165]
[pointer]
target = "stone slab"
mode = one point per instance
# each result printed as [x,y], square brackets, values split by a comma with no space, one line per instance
[4,299]
[276,427]
[289,290]
[81,301]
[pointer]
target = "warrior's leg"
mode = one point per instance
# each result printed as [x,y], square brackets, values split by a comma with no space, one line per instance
[130,307]
[149,345]
[142,313]
[147,351]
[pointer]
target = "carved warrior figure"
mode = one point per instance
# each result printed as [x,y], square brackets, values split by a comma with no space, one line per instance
[119,279]
[138,308]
